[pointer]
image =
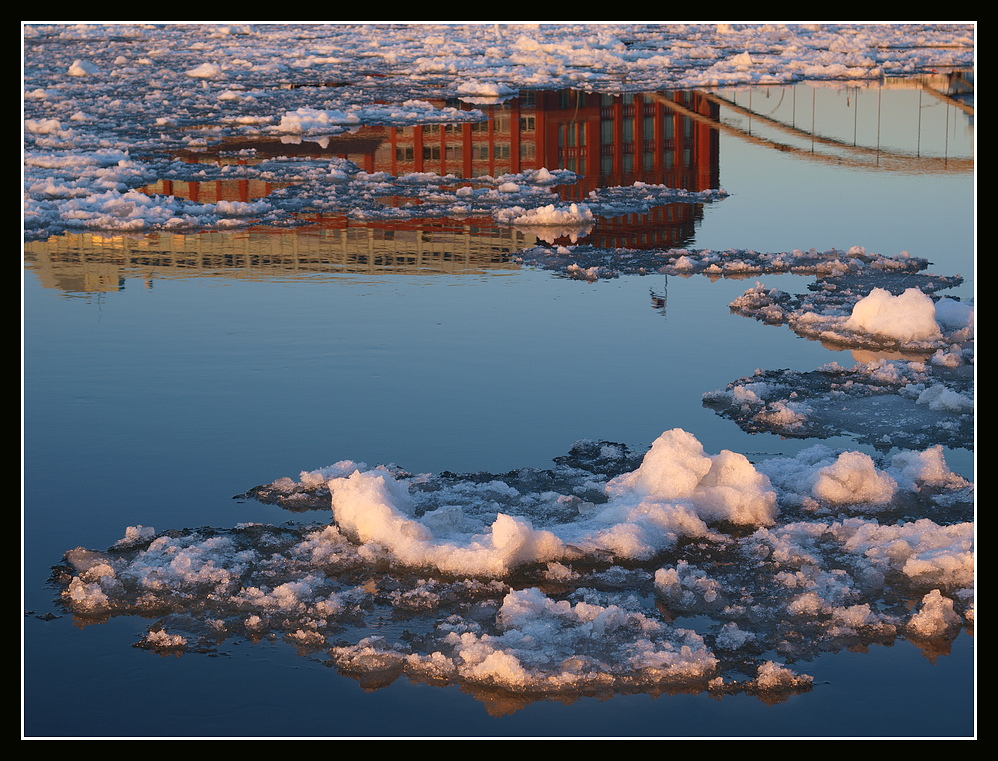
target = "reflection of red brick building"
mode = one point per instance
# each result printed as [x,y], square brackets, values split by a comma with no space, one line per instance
[607,140]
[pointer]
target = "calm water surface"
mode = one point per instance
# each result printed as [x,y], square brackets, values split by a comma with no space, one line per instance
[153,394]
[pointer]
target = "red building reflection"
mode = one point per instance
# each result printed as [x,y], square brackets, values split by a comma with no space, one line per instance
[607,140]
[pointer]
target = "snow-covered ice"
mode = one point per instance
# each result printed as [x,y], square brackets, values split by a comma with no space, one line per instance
[883,403]
[885,310]
[675,570]
[606,264]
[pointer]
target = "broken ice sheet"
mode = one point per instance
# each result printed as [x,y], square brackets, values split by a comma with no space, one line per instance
[871,310]
[594,263]
[883,403]
[925,398]
[579,579]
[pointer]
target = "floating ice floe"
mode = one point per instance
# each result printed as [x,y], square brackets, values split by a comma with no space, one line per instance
[924,399]
[549,222]
[606,573]
[485,93]
[307,120]
[607,263]
[883,403]
[881,310]
[205,71]
[83,69]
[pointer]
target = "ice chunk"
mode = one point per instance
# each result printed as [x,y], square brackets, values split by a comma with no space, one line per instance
[910,316]
[725,487]
[372,507]
[854,478]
